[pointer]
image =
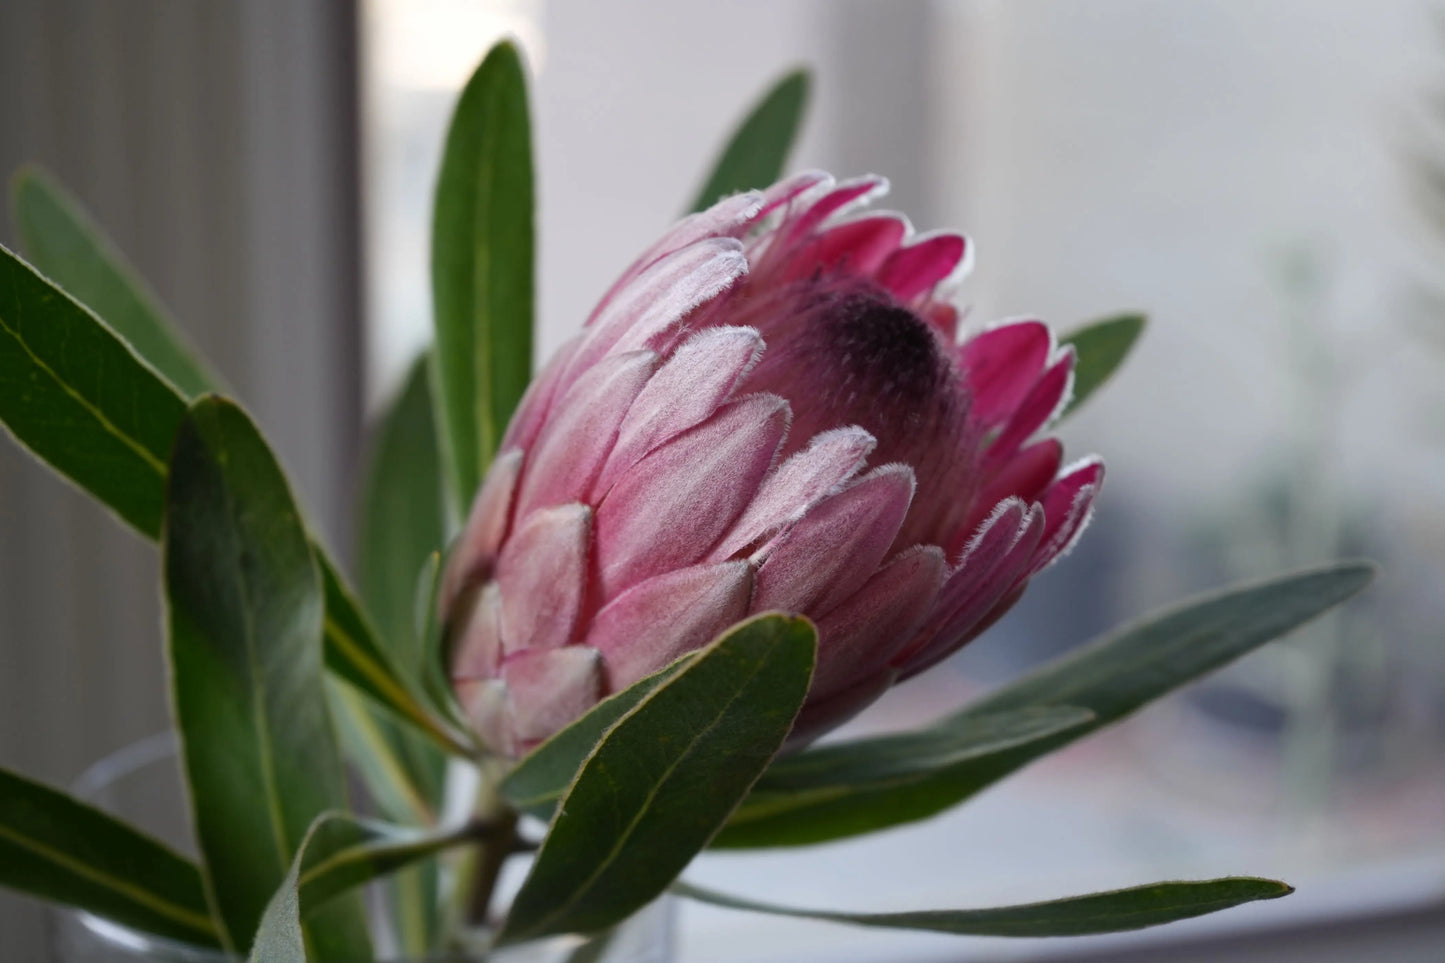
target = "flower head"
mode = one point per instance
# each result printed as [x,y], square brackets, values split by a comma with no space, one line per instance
[770,409]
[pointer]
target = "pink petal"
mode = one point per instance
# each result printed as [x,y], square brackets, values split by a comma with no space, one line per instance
[576,442]
[1068,504]
[536,403]
[837,201]
[910,271]
[477,645]
[792,186]
[660,298]
[476,550]
[825,715]
[834,548]
[488,709]
[699,377]
[862,635]
[972,592]
[1000,365]
[542,576]
[1025,476]
[831,458]
[667,510]
[550,688]
[656,621]
[1045,400]
[944,317]
[860,247]
[988,546]
[729,217]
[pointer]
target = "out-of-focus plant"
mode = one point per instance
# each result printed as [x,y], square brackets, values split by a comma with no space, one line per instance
[617,643]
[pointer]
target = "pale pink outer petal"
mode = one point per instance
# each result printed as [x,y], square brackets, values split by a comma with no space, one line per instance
[486,527]
[668,509]
[834,548]
[487,705]
[576,442]
[536,403]
[831,459]
[660,298]
[701,374]
[1068,504]
[656,621]
[915,269]
[542,576]
[1000,365]
[863,634]
[729,217]
[979,591]
[550,688]
[477,643]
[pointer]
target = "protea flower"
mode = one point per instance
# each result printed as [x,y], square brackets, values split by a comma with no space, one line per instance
[769,410]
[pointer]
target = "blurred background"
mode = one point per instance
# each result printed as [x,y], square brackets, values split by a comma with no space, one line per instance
[1265,179]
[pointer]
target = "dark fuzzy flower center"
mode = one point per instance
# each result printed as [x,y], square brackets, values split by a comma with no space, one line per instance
[844,352]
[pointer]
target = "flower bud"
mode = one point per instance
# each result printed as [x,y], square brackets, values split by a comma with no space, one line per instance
[769,410]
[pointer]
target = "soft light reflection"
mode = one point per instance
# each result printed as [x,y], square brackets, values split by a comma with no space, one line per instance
[434,44]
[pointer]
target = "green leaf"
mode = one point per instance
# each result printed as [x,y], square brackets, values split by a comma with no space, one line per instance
[59,849]
[338,854]
[664,778]
[79,398]
[895,762]
[537,782]
[353,654]
[482,267]
[758,149]
[345,852]
[1111,677]
[401,527]
[402,516]
[67,245]
[1122,909]
[1100,348]
[245,612]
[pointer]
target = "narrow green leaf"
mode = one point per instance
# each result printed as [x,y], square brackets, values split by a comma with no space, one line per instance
[664,778]
[67,245]
[896,762]
[1123,909]
[338,854]
[245,612]
[346,852]
[59,849]
[402,516]
[758,149]
[1111,677]
[79,398]
[401,527]
[482,267]
[537,782]
[353,654]
[1100,349]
